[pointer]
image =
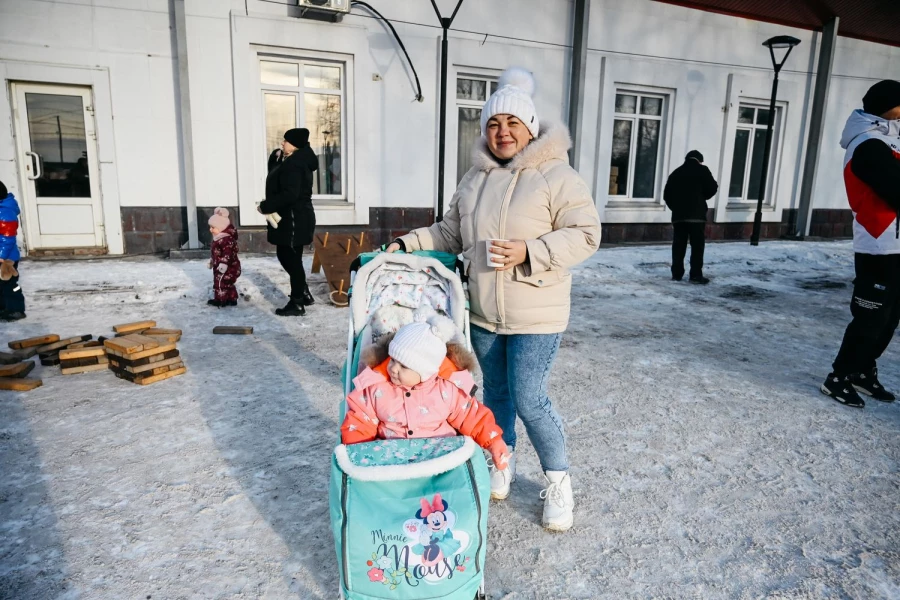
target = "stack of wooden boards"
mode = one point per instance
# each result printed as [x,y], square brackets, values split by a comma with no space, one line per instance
[13,375]
[47,347]
[83,358]
[142,354]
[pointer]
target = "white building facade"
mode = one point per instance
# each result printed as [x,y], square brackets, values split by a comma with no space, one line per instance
[125,122]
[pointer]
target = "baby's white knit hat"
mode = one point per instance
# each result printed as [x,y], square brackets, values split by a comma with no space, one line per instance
[513,97]
[417,346]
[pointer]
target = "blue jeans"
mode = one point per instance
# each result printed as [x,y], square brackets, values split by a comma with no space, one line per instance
[516,369]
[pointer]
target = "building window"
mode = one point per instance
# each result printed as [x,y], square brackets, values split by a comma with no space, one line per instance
[471,94]
[749,147]
[636,145]
[310,94]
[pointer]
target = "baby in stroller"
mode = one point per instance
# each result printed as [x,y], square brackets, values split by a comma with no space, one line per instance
[420,388]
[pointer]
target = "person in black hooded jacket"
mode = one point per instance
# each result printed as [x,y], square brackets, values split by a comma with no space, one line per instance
[289,193]
[687,190]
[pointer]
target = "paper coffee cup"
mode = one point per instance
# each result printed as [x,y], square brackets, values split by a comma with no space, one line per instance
[491,257]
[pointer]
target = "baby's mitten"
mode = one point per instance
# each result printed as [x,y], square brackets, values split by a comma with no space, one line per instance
[222,268]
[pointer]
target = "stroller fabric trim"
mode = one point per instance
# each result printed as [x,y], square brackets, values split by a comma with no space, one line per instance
[401,472]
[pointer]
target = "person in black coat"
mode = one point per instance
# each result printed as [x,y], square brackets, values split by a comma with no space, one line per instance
[289,193]
[687,190]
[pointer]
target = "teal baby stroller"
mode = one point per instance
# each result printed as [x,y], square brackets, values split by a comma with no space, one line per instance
[409,516]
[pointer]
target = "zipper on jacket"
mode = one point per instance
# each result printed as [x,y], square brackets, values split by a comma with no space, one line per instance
[293,227]
[501,305]
[344,550]
[471,470]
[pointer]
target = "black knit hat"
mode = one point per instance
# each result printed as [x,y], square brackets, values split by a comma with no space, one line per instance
[882,97]
[695,154]
[3,191]
[297,137]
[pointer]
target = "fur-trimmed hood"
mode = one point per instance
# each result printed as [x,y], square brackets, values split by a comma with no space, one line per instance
[377,353]
[553,142]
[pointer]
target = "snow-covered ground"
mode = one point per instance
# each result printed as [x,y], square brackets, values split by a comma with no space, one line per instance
[706,462]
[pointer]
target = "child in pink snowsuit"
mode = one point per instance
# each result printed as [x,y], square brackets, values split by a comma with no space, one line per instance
[225,263]
[420,392]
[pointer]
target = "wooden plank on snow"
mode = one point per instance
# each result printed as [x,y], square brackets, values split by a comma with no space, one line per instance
[83,369]
[19,385]
[70,353]
[34,341]
[128,327]
[17,370]
[232,330]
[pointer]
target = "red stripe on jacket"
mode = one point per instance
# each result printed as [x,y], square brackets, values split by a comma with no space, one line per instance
[9,228]
[871,211]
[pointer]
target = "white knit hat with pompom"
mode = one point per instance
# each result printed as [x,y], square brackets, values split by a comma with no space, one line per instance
[513,97]
[418,346]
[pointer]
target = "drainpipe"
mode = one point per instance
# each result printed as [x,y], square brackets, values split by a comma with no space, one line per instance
[579,73]
[816,127]
[187,136]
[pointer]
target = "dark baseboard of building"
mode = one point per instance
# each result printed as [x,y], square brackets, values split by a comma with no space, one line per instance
[149,230]
[154,229]
[831,223]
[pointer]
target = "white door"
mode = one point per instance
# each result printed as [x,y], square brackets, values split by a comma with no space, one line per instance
[57,155]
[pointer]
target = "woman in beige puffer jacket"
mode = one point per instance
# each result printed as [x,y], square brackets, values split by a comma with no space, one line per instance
[522,194]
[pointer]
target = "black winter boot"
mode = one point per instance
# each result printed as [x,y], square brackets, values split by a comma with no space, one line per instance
[841,389]
[291,309]
[868,384]
[307,298]
[11,315]
[216,303]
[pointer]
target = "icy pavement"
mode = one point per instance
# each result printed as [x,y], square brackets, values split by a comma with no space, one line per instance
[705,461]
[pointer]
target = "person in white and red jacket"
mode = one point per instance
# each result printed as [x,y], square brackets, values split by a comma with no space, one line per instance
[872,177]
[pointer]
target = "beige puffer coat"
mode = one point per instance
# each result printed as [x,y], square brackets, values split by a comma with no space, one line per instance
[537,197]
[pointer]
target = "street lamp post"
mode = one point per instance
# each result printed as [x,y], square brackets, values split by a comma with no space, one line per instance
[779,42]
[445,25]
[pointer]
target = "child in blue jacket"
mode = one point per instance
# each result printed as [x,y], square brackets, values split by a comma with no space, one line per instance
[12,300]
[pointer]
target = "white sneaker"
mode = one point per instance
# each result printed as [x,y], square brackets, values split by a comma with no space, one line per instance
[558,501]
[502,480]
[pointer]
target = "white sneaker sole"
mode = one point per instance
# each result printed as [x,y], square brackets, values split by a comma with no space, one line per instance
[871,395]
[828,393]
[502,495]
[560,526]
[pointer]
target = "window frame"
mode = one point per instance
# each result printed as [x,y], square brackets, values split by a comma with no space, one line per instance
[345,93]
[490,78]
[665,121]
[774,155]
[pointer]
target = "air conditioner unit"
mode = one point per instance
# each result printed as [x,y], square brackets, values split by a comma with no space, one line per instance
[329,10]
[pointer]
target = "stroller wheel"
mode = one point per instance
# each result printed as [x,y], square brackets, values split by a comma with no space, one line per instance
[480,594]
